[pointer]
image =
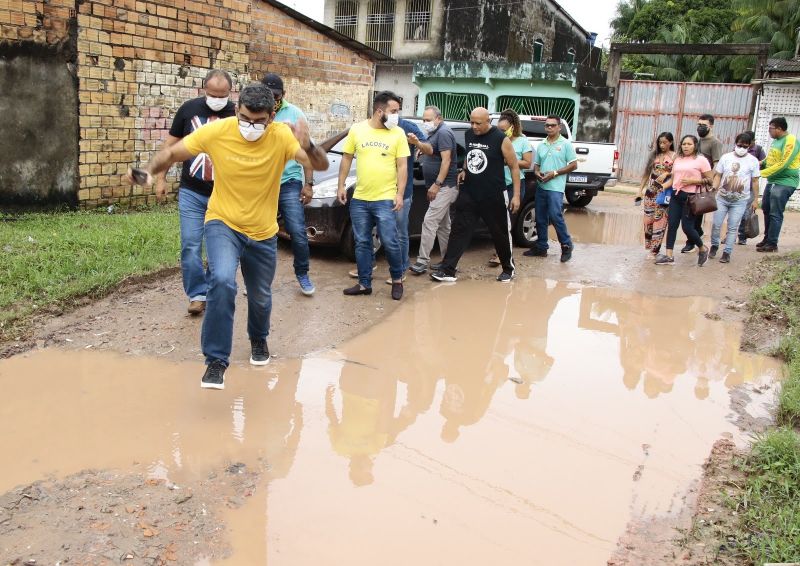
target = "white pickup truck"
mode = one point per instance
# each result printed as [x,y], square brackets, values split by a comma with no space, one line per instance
[597,162]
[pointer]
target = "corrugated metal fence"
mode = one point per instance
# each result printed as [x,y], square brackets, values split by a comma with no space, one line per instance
[647,108]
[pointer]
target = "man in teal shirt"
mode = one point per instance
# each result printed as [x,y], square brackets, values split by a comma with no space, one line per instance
[555,158]
[296,188]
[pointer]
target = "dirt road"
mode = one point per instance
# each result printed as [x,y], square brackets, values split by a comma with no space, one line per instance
[481,421]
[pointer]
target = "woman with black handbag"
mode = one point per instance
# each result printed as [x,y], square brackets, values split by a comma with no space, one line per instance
[656,191]
[691,174]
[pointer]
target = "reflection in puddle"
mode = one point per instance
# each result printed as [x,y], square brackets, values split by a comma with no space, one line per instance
[479,423]
[588,226]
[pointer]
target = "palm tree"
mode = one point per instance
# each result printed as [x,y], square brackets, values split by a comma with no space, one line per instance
[769,21]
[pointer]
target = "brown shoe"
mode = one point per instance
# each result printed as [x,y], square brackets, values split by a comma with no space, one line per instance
[196,307]
[397,291]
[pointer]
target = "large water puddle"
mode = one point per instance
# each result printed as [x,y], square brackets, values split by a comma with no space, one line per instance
[588,226]
[480,423]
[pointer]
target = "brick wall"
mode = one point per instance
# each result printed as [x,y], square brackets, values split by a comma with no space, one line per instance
[328,81]
[137,63]
[42,22]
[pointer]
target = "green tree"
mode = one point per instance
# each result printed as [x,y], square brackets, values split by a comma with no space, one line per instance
[769,21]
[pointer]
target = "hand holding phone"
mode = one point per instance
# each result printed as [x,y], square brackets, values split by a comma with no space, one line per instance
[137,176]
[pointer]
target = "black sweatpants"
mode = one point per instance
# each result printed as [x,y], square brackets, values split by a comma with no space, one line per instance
[493,210]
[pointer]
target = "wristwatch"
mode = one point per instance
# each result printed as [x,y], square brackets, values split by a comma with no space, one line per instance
[437,182]
[555,173]
[311,182]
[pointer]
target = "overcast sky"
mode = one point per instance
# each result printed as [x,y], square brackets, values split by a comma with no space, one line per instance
[593,16]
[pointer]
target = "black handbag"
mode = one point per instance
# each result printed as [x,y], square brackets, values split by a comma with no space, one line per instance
[751,228]
[703,201]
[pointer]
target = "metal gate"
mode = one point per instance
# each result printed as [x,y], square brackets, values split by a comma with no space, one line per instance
[647,108]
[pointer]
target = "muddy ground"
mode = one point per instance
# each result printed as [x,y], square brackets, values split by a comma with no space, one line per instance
[124,518]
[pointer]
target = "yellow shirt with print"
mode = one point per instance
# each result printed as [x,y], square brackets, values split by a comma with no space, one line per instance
[247,174]
[377,151]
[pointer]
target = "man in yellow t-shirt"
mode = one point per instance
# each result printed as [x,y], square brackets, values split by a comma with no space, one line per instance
[381,172]
[249,154]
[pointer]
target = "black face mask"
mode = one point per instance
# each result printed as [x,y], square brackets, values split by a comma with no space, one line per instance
[702,131]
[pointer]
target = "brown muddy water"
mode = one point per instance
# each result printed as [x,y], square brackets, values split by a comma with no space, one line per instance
[480,423]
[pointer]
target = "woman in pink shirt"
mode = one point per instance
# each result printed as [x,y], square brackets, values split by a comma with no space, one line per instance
[689,172]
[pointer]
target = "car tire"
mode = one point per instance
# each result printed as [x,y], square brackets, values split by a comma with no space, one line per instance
[577,200]
[348,244]
[524,231]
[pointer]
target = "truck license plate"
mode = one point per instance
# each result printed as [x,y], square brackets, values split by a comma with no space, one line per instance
[578,179]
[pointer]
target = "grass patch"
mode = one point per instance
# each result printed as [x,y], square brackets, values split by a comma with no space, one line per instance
[770,501]
[51,259]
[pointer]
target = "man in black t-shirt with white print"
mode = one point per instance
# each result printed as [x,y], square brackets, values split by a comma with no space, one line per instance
[197,181]
[483,195]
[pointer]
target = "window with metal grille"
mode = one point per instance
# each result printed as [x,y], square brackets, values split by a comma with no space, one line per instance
[346,19]
[380,25]
[538,50]
[455,105]
[539,106]
[570,55]
[418,20]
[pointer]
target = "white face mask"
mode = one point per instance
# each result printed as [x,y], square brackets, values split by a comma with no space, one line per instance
[740,151]
[250,133]
[428,127]
[391,121]
[216,104]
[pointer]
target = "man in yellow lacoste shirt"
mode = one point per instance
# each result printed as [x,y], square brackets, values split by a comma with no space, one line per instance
[249,153]
[381,152]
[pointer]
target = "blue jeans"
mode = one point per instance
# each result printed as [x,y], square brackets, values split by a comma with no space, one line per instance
[192,213]
[550,210]
[734,211]
[294,221]
[225,249]
[773,203]
[364,215]
[401,217]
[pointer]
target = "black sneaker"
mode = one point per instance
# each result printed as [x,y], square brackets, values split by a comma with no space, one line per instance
[663,259]
[535,252]
[505,277]
[566,253]
[214,377]
[767,248]
[441,276]
[436,266]
[259,352]
[762,243]
[726,257]
[687,248]
[702,258]
[742,242]
[713,252]
[418,268]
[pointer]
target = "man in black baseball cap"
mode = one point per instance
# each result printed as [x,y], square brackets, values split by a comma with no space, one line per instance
[296,188]
[275,83]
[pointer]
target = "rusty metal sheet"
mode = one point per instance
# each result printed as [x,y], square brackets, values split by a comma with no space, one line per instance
[647,108]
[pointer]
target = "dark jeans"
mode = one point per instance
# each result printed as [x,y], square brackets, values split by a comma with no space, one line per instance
[294,221]
[550,210]
[467,210]
[364,215]
[226,248]
[773,204]
[679,214]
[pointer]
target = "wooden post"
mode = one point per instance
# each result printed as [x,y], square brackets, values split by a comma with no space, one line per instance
[612,81]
